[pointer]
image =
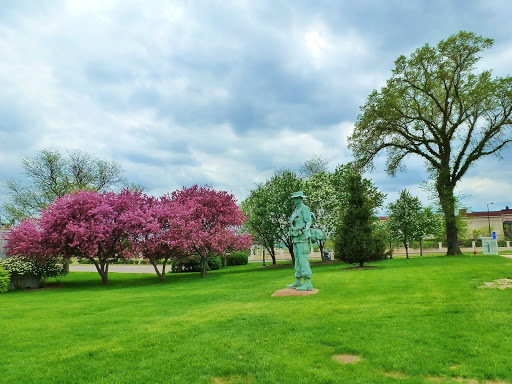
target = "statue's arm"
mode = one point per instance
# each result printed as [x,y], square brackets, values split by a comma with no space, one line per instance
[307,218]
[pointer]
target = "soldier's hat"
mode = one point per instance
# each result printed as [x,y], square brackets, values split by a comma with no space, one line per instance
[298,194]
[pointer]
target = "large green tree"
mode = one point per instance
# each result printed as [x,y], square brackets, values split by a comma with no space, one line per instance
[437,106]
[51,174]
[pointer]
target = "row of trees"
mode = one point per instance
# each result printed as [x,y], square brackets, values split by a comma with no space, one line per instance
[345,206]
[105,227]
[269,206]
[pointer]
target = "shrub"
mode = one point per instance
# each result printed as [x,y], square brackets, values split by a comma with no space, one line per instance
[237,258]
[193,264]
[84,261]
[52,268]
[20,267]
[5,279]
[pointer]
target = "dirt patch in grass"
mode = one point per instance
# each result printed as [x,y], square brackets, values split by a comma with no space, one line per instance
[464,380]
[396,375]
[498,284]
[444,379]
[294,292]
[432,379]
[232,379]
[360,268]
[347,359]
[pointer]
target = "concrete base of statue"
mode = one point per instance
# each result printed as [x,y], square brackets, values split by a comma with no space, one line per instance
[294,292]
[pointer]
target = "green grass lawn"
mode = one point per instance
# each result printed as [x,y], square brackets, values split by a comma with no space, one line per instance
[422,320]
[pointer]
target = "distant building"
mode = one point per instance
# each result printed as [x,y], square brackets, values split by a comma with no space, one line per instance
[479,221]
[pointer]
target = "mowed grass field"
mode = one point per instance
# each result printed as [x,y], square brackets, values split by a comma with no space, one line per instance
[423,320]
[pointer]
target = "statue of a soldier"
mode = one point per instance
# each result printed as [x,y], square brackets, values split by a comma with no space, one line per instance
[300,224]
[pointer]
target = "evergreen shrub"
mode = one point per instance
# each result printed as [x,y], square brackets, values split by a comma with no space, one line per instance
[237,258]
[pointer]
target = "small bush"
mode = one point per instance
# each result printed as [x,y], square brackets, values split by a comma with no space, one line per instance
[52,268]
[20,268]
[193,264]
[5,279]
[237,258]
[84,261]
[215,263]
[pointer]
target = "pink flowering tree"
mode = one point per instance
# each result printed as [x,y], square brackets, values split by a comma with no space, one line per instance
[208,222]
[26,239]
[155,232]
[90,225]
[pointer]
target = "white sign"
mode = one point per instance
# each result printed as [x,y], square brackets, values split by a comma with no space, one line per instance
[489,246]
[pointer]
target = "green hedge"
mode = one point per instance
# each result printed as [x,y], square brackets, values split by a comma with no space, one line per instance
[193,264]
[237,258]
[5,279]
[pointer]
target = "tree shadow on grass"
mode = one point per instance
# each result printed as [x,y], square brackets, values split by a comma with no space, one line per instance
[92,280]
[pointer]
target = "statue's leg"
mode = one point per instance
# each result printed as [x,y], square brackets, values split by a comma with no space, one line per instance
[305,268]
[298,261]
[298,269]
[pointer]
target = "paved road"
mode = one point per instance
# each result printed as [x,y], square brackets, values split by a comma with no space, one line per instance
[121,268]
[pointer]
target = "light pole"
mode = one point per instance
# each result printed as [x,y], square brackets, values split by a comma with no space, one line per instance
[488,219]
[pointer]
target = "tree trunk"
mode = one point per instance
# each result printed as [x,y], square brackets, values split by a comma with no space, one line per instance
[272,253]
[321,246]
[390,250]
[155,265]
[164,265]
[66,261]
[406,250]
[204,266]
[102,269]
[421,247]
[447,200]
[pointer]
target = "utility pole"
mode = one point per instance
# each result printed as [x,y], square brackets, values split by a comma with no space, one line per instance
[489,219]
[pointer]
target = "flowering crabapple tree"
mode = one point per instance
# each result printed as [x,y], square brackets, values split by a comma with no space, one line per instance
[208,222]
[26,238]
[154,231]
[91,225]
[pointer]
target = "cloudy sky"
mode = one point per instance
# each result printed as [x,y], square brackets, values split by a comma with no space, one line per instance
[222,92]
